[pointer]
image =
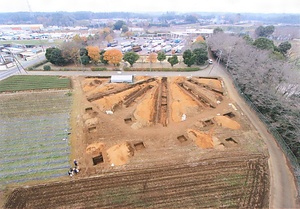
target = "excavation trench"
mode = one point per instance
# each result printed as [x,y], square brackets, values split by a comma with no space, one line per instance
[194,89]
[100,95]
[190,92]
[161,103]
[208,87]
[134,95]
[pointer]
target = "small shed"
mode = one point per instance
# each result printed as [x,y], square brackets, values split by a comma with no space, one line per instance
[121,79]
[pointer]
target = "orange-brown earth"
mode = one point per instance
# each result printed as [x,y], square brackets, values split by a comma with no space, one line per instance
[119,114]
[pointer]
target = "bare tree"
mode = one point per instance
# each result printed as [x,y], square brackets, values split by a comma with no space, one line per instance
[272,85]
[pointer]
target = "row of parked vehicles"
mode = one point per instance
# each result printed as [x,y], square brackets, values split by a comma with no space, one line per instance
[148,46]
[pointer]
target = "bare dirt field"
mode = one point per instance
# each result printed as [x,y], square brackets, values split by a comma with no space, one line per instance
[159,142]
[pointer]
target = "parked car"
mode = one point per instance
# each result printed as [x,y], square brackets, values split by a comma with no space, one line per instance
[136,48]
[112,44]
[126,49]
[167,48]
[210,61]
[126,44]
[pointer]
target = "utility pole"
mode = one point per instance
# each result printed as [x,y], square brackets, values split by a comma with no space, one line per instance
[16,61]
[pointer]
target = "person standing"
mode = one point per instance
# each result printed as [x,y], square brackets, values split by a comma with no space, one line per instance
[75,162]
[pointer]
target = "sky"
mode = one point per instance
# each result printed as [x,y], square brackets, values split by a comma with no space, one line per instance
[236,6]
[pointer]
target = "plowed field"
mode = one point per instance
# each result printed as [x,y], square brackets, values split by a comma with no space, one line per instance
[239,182]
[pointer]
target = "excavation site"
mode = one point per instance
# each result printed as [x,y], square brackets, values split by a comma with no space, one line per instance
[159,142]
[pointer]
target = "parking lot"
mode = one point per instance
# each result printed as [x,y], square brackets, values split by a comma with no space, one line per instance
[146,45]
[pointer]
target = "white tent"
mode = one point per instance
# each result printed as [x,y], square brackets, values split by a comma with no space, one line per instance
[121,79]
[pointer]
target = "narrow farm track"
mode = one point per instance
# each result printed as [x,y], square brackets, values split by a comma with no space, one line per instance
[231,182]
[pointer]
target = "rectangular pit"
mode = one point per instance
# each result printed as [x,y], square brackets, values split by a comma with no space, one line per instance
[92,129]
[88,109]
[127,120]
[229,114]
[182,138]
[139,146]
[98,159]
[208,122]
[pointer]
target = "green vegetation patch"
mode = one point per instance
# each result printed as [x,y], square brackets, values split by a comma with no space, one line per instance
[33,42]
[33,82]
[38,65]
[98,68]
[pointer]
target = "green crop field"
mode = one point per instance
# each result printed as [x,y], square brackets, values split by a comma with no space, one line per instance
[34,136]
[33,82]
[33,42]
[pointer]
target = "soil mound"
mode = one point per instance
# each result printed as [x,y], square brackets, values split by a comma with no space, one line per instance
[95,147]
[119,154]
[141,78]
[91,122]
[111,101]
[227,122]
[202,140]
[211,82]
[90,84]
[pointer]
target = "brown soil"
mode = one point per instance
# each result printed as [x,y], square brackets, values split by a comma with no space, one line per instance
[165,104]
[215,83]
[182,103]
[227,122]
[201,139]
[95,148]
[112,101]
[144,111]
[91,122]
[238,181]
[91,83]
[119,154]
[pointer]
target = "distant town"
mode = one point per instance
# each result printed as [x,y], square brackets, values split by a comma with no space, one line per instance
[25,37]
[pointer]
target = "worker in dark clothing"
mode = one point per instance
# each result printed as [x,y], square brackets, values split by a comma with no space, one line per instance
[76,170]
[70,172]
[75,162]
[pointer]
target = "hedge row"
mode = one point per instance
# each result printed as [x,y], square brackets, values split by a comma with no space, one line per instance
[37,65]
[98,68]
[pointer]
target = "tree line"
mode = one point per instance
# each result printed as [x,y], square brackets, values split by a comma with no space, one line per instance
[266,75]
[75,18]
[84,51]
